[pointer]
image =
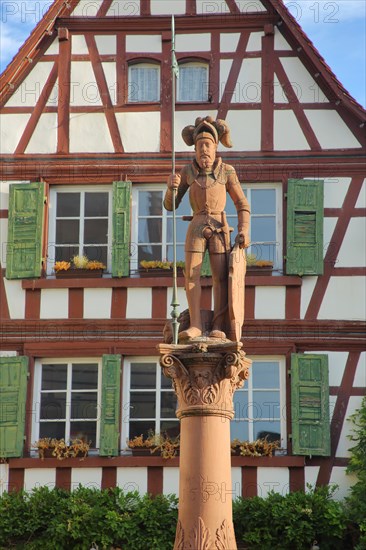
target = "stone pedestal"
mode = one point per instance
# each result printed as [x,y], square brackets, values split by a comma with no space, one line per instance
[205,376]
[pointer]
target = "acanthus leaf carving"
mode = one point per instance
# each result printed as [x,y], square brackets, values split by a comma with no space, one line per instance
[224,536]
[200,537]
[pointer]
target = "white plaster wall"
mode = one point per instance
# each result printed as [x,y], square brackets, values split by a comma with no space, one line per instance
[139,303]
[270,302]
[305,87]
[171,481]
[97,303]
[250,6]
[225,66]
[236,482]
[278,92]
[79,45]
[255,42]
[335,190]
[229,41]
[353,250]
[331,131]
[182,299]
[361,201]
[143,43]
[122,8]
[360,375]
[344,482]
[311,475]
[307,288]
[209,7]
[4,194]
[39,477]
[54,303]
[347,429]
[273,479]
[87,477]
[4,478]
[84,89]
[279,41]
[31,88]
[182,119]
[11,130]
[328,230]
[245,129]
[3,240]
[109,69]
[249,82]
[288,136]
[106,44]
[8,353]
[332,404]
[133,129]
[44,138]
[53,49]
[89,133]
[132,479]
[345,298]
[162,7]
[16,298]
[87,8]
[199,42]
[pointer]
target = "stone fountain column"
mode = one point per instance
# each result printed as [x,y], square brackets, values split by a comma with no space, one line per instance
[205,376]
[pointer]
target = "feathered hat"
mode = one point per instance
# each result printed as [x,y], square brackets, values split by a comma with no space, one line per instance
[217,129]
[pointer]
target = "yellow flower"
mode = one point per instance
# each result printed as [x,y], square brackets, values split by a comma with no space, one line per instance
[61,266]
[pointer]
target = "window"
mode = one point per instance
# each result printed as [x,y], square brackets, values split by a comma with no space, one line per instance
[193,82]
[67,399]
[80,224]
[153,226]
[265,221]
[149,401]
[143,82]
[260,405]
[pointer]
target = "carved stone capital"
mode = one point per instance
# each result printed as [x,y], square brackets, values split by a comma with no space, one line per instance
[205,376]
[201,537]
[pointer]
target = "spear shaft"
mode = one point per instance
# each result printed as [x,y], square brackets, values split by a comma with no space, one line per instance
[174,302]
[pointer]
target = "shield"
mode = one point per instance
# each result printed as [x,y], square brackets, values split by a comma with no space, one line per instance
[237,270]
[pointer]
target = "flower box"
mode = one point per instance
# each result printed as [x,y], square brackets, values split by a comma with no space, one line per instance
[159,272]
[256,270]
[79,274]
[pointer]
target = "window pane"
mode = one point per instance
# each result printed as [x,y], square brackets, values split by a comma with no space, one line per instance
[264,251]
[148,252]
[53,406]
[54,377]
[265,375]
[67,231]
[138,428]
[150,230]
[263,201]
[68,205]
[165,381]
[171,428]
[143,84]
[98,252]
[143,375]
[241,404]
[96,204]
[96,231]
[65,253]
[84,405]
[168,404]
[84,377]
[266,404]
[142,405]
[263,229]
[85,431]
[271,430]
[192,83]
[150,203]
[180,253]
[239,430]
[181,230]
[52,429]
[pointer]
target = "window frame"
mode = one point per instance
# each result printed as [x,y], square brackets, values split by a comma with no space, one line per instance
[194,63]
[52,209]
[143,64]
[37,392]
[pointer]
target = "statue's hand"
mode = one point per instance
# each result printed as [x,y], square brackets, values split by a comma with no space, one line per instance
[173,181]
[242,240]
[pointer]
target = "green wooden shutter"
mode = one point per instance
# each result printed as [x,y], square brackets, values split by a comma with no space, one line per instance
[26,218]
[111,390]
[206,267]
[13,390]
[310,405]
[121,229]
[304,227]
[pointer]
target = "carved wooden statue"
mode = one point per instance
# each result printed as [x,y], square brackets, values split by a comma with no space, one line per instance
[208,179]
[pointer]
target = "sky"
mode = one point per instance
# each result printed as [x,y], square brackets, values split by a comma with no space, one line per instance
[336,27]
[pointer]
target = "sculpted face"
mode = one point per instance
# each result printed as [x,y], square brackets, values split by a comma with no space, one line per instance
[205,153]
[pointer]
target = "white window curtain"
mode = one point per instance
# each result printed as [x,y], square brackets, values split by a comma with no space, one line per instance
[143,83]
[193,82]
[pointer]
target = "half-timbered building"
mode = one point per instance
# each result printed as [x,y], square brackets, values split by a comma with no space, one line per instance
[86,141]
